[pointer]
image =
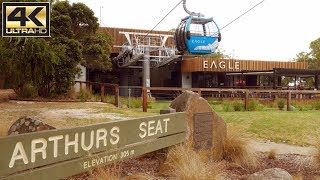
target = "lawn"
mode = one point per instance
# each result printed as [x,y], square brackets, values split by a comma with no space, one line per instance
[293,127]
[269,123]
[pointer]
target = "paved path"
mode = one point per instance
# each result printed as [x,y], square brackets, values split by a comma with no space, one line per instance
[281,148]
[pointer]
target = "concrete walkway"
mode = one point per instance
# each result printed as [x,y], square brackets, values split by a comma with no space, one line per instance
[281,148]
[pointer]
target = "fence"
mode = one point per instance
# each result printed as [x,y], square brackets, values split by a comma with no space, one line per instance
[103,89]
[169,93]
[60,153]
[245,94]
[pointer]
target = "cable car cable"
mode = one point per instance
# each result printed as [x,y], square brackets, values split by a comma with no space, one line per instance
[162,19]
[242,15]
[159,22]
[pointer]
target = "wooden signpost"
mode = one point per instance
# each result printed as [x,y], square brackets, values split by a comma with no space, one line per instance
[61,153]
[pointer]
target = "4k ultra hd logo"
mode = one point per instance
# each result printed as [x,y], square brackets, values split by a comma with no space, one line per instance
[25,19]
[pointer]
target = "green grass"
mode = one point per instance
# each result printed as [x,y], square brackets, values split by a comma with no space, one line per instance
[300,127]
[130,112]
[293,127]
[269,123]
[155,107]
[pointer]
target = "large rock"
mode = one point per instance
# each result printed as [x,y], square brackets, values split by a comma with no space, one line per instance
[192,103]
[273,173]
[28,124]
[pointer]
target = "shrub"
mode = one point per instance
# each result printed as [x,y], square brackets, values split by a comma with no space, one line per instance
[253,105]
[83,95]
[213,101]
[272,154]
[300,107]
[71,94]
[184,163]
[316,105]
[109,99]
[227,106]
[97,97]
[238,106]
[27,91]
[281,103]
[237,150]
[303,105]
[260,107]
[135,102]
[268,103]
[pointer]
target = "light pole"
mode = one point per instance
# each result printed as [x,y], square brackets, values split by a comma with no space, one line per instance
[100,15]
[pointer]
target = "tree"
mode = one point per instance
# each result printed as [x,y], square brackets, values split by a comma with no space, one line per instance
[219,55]
[77,21]
[97,50]
[49,65]
[28,63]
[216,55]
[312,57]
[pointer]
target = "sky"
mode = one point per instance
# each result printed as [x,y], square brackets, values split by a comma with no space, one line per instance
[276,30]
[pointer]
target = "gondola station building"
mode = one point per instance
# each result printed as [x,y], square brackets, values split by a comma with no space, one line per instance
[197,71]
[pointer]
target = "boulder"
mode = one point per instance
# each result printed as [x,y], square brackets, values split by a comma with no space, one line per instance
[273,173]
[191,103]
[28,124]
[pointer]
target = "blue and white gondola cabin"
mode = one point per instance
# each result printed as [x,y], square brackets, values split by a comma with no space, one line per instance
[197,35]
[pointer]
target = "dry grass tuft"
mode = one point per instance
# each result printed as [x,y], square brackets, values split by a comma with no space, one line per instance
[298,177]
[184,163]
[71,94]
[272,154]
[140,176]
[236,149]
[5,94]
[107,173]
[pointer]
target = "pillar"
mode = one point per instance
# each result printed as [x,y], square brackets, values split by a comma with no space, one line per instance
[146,70]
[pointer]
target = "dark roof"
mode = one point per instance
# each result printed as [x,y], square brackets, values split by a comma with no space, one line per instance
[284,71]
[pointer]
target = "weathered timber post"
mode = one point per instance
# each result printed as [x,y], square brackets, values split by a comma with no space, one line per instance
[144,99]
[80,85]
[276,96]
[289,101]
[199,92]
[90,87]
[299,96]
[102,91]
[116,95]
[246,100]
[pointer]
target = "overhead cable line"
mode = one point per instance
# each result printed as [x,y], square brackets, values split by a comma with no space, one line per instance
[242,15]
[162,19]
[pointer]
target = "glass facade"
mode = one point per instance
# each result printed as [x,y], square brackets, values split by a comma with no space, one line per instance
[222,80]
